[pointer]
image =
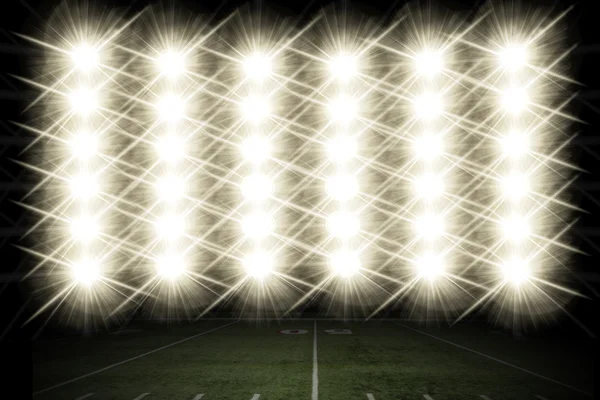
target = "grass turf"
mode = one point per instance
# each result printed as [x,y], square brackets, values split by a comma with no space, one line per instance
[385,359]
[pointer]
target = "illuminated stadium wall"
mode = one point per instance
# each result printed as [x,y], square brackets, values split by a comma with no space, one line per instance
[261,165]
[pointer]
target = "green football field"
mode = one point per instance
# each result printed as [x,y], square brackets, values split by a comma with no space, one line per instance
[243,360]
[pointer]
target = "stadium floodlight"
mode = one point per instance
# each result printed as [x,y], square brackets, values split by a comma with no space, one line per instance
[86,271]
[83,186]
[342,187]
[258,225]
[170,265]
[428,147]
[429,63]
[84,145]
[513,57]
[515,145]
[343,109]
[515,187]
[515,100]
[258,264]
[83,101]
[516,271]
[171,64]
[170,148]
[170,227]
[84,57]
[257,187]
[257,67]
[256,149]
[429,226]
[170,188]
[84,228]
[256,108]
[343,224]
[429,186]
[345,263]
[430,266]
[515,228]
[171,108]
[428,106]
[343,67]
[341,148]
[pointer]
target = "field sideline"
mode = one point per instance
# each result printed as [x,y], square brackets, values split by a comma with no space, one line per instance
[252,360]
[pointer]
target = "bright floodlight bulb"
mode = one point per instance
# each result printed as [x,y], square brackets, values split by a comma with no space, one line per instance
[428,147]
[83,101]
[84,146]
[86,272]
[515,145]
[256,108]
[171,108]
[171,64]
[170,188]
[429,226]
[429,186]
[84,57]
[170,265]
[343,109]
[516,228]
[84,229]
[257,187]
[429,63]
[258,264]
[83,186]
[342,148]
[343,67]
[515,187]
[514,100]
[428,106]
[344,262]
[513,57]
[430,266]
[170,149]
[170,227]
[343,224]
[516,271]
[342,187]
[257,67]
[258,225]
[256,149]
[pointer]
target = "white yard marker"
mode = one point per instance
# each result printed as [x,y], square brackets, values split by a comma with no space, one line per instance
[370,396]
[130,359]
[85,396]
[315,374]
[540,397]
[576,389]
[255,397]
[427,397]
[484,397]
[141,396]
[198,396]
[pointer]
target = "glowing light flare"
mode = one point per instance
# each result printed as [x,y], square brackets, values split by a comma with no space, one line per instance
[256,108]
[84,186]
[259,264]
[170,265]
[428,147]
[343,109]
[257,187]
[257,67]
[256,149]
[342,187]
[342,148]
[515,228]
[515,187]
[343,224]
[514,100]
[83,101]
[258,225]
[429,186]
[171,64]
[86,272]
[515,145]
[170,149]
[83,146]
[343,67]
[84,57]
[84,229]
[345,263]
[170,227]
[428,106]
[171,108]
[429,226]
[429,63]
[170,188]
[429,266]
[513,57]
[516,271]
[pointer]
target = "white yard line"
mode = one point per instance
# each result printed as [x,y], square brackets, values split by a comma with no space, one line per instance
[540,397]
[255,397]
[427,397]
[484,397]
[85,396]
[315,372]
[129,359]
[370,396]
[198,396]
[576,389]
[141,396]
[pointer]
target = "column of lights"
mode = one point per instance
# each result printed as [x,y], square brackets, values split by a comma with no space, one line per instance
[170,224]
[514,181]
[428,149]
[343,186]
[257,224]
[83,144]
